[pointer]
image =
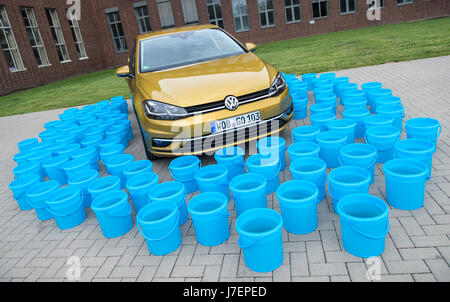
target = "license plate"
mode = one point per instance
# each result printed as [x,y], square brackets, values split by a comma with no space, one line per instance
[235,122]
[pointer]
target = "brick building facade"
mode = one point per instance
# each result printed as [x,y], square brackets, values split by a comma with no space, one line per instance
[40,44]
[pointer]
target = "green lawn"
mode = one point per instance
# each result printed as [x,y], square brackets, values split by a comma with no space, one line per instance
[319,53]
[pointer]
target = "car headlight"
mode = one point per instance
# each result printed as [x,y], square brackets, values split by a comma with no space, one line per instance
[278,86]
[161,111]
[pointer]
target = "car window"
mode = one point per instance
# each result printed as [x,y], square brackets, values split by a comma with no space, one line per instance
[186,48]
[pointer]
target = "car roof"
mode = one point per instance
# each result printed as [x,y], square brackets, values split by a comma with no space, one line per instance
[172,30]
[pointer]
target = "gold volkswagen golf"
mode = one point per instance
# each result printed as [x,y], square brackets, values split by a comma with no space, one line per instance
[197,89]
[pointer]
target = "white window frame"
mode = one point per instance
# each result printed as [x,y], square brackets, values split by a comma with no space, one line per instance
[140,7]
[292,8]
[78,38]
[240,16]
[347,7]
[168,23]
[189,6]
[404,2]
[55,27]
[266,12]
[216,20]
[312,8]
[33,28]
[115,23]
[13,49]
[376,2]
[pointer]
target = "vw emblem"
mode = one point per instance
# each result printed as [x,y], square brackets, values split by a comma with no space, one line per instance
[231,102]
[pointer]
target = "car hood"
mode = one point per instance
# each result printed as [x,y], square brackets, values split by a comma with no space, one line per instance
[208,81]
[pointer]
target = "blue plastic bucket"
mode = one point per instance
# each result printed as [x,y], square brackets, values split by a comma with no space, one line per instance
[360,155]
[308,78]
[109,152]
[318,82]
[137,167]
[233,159]
[41,156]
[79,133]
[327,98]
[103,185]
[377,120]
[19,189]
[300,108]
[273,147]
[304,134]
[49,135]
[22,156]
[82,179]
[374,94]
[113,213]
[395,111]
[67,138]
[371,86]
[298,204]
[357,115]
[384,139]
[267,167]
[339,80]
[423,127]
[89,152]
[298,94]
[127,124]
[68,149]
[93,140]
[352,93]
[74,165]
[108,142]
[249,192]
[55,147]
[95,130]
[158,224]
[117,163]
[330,142]
[171,191]
[347,127]
[323,107]
[340,88]
[27,144]
[347,180]
[327,89]
[364,224]
[118,130]
[54,169]
[38,193]
[389,100]
[29,167]
[183,169]
[120,100]
[416,148]
[213,178]
[405,183]
[139,187]
[303,149]
[321,119]
[312,169]
[210,218]
[52,124]
[66,206]
[260,238]
[42,146]
[355,102]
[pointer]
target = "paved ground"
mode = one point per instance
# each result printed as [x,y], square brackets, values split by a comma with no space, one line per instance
[417,247]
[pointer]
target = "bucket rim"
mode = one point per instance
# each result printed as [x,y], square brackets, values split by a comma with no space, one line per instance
[74,190]
[258,212]
[237,151]
[342,137]
[106,150]
[215,167]
[379,91]
[151,176]
[341,124]
[40,154]
[367,147]
[374,200]
[92,139]
[364,112]
[181,190]
[395,132]
[120,197]
[75,163]
[321,165]
[275,141]
[293,147]
[321,106]
[375,117]
[120,160]
[367,177]
[246,177]
[193,161]
[366,84]
[408,162]
[322,116]
[137,166]
[48,187]
[390,109]
[258,156]
[23,181]
[210,196]
[108,181]
[153,206]
[306,129]
[298,183]
[26,166]
[85,151]
[436,122]
[82,177]
[399,145]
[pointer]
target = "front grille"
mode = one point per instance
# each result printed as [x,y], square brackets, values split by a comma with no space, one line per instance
[219,105]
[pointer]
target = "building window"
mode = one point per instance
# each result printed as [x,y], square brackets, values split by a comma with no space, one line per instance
[165,13]
[400,2]
[293,11]
[115,25]
[320,8]
[189,11]
[347,6]
[8,43]
[214,8]
[266,13]
[142,17]
[240,15]
[57,34]
[34,35]
[376,4]
[77,38]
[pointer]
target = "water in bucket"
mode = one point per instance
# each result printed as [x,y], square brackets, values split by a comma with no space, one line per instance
[298,203]
[273,147]
[173,191]
[321,119]
[158,223]
[210,218]
[360,155]
[137,167]
[183,169]
[423,127]
[233,159]
[416,148]
[312,169]
[395,111]
[249,192]
[330,142]
[82,179]
[304,134]
[357,115]
[139,187]
[347,127]
[19,189]
[38,193]
[383,138]
[347,180]
[267,167]
[213,178]
[260,238]
[364,224]
[66,206]
[405,183]
[113,213]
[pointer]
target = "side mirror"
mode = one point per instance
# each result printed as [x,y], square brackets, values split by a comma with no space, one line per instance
[250,46]
[123,72]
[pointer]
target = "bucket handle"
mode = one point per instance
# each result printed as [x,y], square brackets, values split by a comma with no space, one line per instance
[386,230]
[365,167]
[59,215]
[385,147]
[250,243]
[128,212]
[163,237]
[183,180]
[439,130]
[224,213]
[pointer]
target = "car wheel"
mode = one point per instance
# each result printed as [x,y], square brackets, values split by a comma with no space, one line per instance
[148,154]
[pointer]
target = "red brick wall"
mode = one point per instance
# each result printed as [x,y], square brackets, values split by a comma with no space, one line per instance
[100,49]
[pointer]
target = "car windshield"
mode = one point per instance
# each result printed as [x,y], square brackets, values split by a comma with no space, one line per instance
[184,48]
